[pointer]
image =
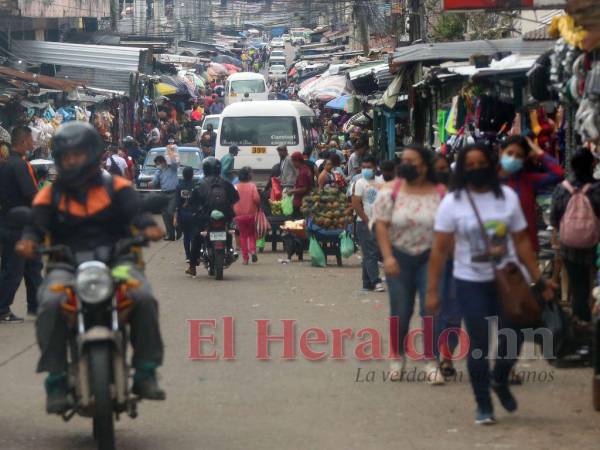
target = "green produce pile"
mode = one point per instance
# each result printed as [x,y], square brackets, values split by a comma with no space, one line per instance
[276,208]
[328,208]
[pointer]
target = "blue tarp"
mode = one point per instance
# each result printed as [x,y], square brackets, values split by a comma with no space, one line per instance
[339,103]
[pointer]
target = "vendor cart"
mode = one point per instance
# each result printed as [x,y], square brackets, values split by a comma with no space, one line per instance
[328,239]
[274,235]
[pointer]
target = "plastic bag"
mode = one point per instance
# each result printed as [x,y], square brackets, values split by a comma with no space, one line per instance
[276,191]
[317,257]
[260,243]
[346,245]
[287,205]
[262,224]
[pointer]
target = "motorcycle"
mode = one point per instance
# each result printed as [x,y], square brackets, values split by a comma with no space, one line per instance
[217,252]
[97,308]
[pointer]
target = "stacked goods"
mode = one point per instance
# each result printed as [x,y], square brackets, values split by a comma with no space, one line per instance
[328,208]
[276,208]
[291,225]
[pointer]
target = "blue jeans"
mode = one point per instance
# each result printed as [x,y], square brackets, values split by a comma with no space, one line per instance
[403,290]
[13,269]
[479,301]
[450,313]
[370,254]
[188,227]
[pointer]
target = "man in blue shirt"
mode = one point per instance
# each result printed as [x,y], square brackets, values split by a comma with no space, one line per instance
[227,163]
[166,180]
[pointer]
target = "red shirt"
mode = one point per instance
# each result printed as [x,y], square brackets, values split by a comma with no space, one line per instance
[303,180]
[527,184]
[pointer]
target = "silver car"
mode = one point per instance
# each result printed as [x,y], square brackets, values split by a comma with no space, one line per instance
[188,156]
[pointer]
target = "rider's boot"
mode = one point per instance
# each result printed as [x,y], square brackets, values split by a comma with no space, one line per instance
[145,384]
[57,401]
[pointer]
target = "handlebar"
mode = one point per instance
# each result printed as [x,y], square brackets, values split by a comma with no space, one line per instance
[121,248]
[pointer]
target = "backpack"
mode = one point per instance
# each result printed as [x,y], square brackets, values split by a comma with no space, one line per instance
[579,226]
[114,168]
[217,196]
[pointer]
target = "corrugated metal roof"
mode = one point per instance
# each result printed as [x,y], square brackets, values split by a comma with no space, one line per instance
[99,78]
[114,58]
[463,50]
[368,69]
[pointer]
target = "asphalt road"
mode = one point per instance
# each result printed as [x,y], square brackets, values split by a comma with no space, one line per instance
[251,404]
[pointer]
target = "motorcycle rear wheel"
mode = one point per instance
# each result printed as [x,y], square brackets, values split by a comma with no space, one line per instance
[100,362]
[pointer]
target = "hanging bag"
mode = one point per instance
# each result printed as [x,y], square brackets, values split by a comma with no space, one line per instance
[262,224]
[346,245]
[287,205]
[317,256]
[518,301]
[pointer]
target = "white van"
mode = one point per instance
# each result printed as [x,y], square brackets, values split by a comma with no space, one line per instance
[258,128]
[245,86]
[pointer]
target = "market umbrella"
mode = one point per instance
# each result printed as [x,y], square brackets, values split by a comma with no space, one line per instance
[218,69]
[326,88]
[165,89]
[231,68]
[339,102]
[226,59]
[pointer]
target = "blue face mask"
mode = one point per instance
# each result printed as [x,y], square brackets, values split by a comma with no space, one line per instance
[510,164]
[368,174]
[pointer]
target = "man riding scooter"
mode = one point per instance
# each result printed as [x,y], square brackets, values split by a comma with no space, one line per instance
[213,193]
[88,212]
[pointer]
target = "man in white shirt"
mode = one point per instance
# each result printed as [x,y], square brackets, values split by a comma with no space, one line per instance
[288,172]
[363,198]
[119,162]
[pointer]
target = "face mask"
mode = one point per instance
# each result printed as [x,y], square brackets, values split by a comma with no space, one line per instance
[479,177]
[510,164]
[367,174]
[442,177]
[408,172]
[388,177]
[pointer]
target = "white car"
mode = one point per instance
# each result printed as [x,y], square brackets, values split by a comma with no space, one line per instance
[277,43]
[277,72]
[277,53]
[286,37]
[298,40]
[277,60]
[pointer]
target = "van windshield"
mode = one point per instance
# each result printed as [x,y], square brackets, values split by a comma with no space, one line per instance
[248,86]
[267,131]
[191,159]
[214,121]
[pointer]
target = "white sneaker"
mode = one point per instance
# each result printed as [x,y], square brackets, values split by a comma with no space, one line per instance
[379,287]
[396,369]
[434,374]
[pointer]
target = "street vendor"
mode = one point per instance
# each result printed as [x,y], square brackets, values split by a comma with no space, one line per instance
[304,182]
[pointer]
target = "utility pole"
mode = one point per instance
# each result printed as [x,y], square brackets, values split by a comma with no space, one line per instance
[114,15]
[416,21]
[360,17]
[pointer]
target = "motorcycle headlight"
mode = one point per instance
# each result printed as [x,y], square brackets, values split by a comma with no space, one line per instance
[93,282]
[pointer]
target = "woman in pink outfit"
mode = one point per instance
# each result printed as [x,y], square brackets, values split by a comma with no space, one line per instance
[245,213]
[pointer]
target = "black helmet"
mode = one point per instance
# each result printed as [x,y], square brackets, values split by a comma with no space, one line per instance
[211,167]
[77,136]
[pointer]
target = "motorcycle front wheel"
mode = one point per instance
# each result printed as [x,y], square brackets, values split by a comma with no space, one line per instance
[100,378]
